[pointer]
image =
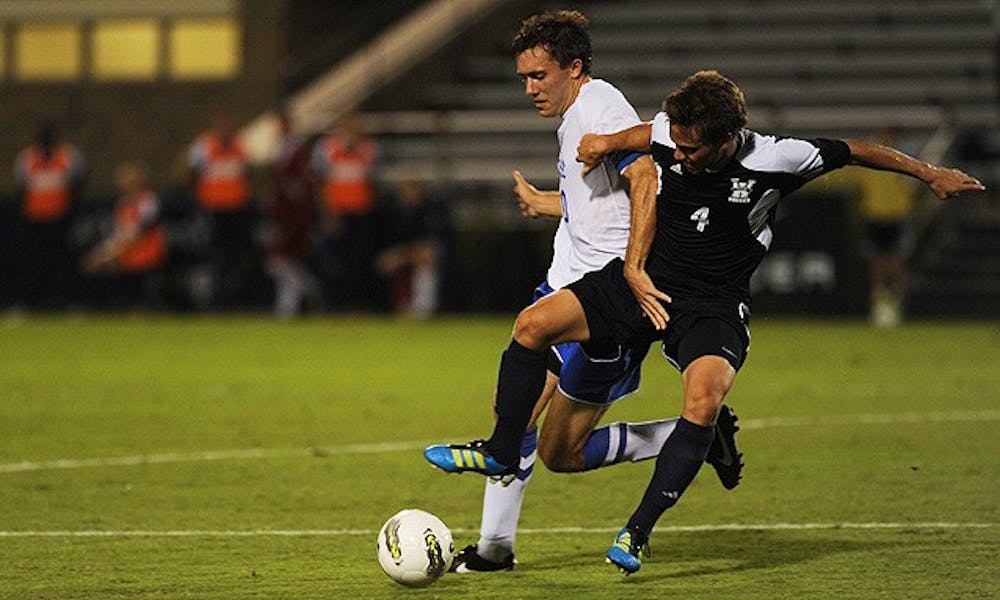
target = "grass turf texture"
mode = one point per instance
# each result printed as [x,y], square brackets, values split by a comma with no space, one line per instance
[843,424]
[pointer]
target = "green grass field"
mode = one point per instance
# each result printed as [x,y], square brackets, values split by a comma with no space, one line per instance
[244,458]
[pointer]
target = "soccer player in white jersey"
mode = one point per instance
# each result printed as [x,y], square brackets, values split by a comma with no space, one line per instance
[693,246]
[553,59]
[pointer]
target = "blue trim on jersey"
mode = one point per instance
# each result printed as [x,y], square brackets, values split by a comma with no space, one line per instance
[628,160]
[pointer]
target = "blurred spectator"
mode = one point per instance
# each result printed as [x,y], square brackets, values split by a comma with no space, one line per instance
[412,262]
[131,258]
[291,219]
[887,203]
[220,173]
[49,176]
[343,163]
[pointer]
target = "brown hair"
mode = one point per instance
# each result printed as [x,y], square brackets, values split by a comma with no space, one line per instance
[711,103]
[562,33]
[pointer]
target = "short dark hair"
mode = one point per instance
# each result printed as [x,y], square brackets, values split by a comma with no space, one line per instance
[711,103]
[562,33]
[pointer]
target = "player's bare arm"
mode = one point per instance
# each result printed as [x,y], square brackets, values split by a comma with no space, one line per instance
[643,181]
[944,182]
[535,202]
[593,147]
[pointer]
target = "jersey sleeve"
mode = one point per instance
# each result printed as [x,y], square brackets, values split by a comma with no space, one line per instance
[660,133]
[835,153]
[612,113]
[622,159]
[810,158]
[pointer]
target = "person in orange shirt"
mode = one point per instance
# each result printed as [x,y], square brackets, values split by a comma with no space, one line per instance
[49,175]
[136,250]
[220,175]
[343,164]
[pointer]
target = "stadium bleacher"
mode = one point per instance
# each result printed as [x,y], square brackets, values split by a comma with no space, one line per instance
[929,68]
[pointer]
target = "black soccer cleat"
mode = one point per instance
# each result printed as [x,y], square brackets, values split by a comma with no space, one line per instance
[469,561]
[723,455]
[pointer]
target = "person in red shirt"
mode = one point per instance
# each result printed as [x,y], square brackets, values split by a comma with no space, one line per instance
[291,218]
[133,255]
[220,176]
[48,176]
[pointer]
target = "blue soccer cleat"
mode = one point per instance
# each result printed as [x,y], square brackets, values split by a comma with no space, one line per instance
[459,458]
[627,552]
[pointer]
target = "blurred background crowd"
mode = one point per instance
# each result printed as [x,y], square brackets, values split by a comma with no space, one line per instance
[299,156]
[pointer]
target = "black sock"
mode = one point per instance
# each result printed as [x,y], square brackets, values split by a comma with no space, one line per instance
[520,383]
[678,462]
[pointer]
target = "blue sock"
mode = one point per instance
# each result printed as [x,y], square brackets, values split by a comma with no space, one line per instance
[620,442]
[528,446]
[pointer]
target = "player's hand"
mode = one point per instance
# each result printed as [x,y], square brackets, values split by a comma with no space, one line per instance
[591,151]
[648,297]
[946,183]
[525,193]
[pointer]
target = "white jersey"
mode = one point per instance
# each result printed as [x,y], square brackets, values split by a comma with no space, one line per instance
[595,219]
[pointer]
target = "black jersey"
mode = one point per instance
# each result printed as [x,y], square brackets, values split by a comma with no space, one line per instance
[713,228]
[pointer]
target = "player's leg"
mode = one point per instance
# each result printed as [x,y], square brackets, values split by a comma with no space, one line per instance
[494,551]
[706,382]
[568,426]
[556,318]
[710,351]
[593,376]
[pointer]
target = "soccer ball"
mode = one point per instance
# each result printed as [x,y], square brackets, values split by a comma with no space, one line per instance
[415,547]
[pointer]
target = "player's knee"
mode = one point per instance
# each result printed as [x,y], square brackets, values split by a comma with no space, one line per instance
[702,402]
[556,457]
[531,329]
[558,462]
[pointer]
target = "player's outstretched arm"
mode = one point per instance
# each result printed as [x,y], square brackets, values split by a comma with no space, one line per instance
[643,184]
[944,182]
[535,202]
[593,147]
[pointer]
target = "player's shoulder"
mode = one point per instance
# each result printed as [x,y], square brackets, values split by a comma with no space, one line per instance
[774,153]
[601,103]
[599,90]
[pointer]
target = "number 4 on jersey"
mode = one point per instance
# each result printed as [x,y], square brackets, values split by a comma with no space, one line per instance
[701,216]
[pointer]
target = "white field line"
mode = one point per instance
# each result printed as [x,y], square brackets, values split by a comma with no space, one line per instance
[265,453]
[189,533]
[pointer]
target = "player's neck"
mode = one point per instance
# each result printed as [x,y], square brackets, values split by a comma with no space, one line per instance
[726,153]
[577,86]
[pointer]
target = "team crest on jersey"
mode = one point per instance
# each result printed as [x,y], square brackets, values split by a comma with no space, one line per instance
[740,194]
[676,168]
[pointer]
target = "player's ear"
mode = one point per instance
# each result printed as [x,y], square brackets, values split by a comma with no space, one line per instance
[576,68]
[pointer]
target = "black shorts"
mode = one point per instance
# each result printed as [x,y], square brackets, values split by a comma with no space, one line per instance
[697,327]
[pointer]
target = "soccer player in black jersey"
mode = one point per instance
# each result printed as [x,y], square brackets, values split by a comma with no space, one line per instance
[693,246]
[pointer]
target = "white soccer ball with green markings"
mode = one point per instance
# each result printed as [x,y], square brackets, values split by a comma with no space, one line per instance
[415,547]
